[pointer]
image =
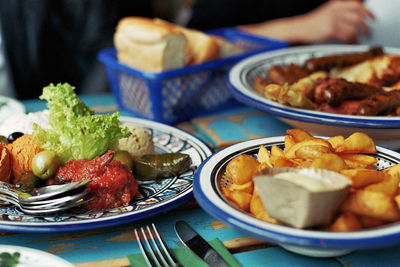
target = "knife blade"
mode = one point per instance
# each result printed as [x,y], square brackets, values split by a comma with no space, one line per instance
[198,245]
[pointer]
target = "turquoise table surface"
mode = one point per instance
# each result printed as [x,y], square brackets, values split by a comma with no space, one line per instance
[109,246]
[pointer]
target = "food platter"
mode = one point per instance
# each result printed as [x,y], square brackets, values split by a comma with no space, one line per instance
[316,243]
[25,256]
[154,197]
[383,129]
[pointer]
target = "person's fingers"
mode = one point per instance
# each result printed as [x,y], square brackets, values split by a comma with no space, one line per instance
[356,20]
[345,32]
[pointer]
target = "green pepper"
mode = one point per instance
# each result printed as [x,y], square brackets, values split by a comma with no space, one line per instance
[27,181]
[160,166]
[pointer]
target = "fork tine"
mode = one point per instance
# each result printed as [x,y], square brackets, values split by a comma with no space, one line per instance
[155,246]
[144,253]
[155,253]
[170,257]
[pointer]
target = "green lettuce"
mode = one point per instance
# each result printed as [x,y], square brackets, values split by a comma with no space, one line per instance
[75,131]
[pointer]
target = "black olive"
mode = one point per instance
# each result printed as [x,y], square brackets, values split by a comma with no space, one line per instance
[14,136]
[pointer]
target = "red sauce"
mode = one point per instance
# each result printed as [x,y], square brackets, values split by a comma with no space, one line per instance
[112,182]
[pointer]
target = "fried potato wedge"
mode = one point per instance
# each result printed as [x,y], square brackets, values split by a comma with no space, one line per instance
[346,222]
[246,187]
[263,156]
[335,141]
[289,141]
[299,135]
[311,151]
[390,185]
[278,161]
[364,177]
[368,222]
[357,143]
[277,151]
[291,152]
[372,204]
[239,198]
[357,161]
[329,161]
[242,168]
[393,170]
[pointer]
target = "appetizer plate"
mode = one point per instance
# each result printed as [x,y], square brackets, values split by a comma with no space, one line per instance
[23,256]
[9,106]
[154,197]
[207,191]
[384,130]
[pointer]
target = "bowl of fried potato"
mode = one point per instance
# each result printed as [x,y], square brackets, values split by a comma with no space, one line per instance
[367,218]
[343,88]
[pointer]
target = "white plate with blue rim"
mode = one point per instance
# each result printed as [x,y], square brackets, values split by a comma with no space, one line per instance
[315,243]
[154,197]
[23,256]
[384,130]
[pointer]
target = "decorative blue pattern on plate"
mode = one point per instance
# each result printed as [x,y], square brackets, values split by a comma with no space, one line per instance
[385,130]
[154,197]
[208,181]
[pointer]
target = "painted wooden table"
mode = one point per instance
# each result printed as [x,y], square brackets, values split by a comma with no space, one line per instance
[109,246]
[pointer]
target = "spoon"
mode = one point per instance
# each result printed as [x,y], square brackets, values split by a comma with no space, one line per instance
[40,193]
[73,201]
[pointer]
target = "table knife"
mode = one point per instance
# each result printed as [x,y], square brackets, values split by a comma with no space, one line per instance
[198,245]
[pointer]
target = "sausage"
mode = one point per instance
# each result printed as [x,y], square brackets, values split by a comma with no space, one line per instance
[379,103]
[286,74]
[335,90]
[341,60]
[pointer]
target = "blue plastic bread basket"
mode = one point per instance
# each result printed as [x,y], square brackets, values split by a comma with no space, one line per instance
[180,94]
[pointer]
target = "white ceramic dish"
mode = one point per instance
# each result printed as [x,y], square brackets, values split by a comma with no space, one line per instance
[307,242]
[384,130]
[154,198]
[10,106]
[29,257]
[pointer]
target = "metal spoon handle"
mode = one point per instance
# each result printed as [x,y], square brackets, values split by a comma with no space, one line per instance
[8,189]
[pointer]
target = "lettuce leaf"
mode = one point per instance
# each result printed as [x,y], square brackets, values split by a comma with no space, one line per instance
[75,131]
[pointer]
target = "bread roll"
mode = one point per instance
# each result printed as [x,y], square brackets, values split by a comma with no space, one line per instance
[151,47]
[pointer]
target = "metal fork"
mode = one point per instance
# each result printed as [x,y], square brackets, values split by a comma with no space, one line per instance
[155,252]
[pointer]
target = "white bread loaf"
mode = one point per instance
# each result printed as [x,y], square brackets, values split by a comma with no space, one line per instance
[226,48]
[202,46]
[150,47]
[155,45]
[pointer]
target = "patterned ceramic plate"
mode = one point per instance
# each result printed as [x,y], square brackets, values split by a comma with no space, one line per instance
[383,129]
[154,197]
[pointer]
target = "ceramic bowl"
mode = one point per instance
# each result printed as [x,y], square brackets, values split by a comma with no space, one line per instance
[316,243]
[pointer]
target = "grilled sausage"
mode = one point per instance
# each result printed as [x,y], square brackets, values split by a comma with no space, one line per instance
[335,90]
[379,103]
[341,60]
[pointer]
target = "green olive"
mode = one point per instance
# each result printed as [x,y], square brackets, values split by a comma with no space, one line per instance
[45,164]
[124,157]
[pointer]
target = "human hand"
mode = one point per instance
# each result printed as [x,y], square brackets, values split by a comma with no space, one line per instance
[337,20]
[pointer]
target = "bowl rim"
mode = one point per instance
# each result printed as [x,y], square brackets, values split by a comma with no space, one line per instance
[244,93]
[210,199]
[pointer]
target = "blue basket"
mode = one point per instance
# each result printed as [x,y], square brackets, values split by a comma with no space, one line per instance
[180,94]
